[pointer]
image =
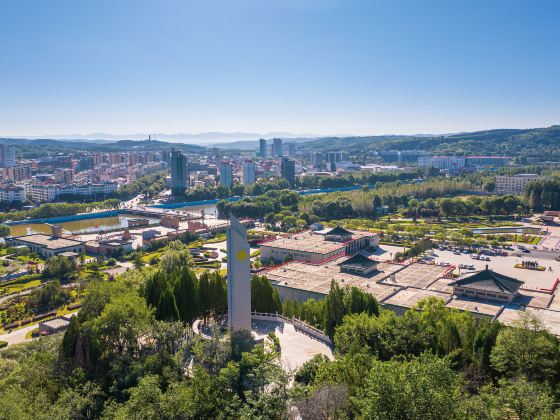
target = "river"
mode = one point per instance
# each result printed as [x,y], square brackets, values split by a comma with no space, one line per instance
[209,209]
[79,226]
[115,222]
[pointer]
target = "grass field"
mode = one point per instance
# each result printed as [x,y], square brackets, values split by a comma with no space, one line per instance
[18,285]
[459,229]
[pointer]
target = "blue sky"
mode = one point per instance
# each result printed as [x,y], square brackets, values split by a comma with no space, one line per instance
[303,66]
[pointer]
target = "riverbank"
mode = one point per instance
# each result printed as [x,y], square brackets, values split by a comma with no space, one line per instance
[166,206]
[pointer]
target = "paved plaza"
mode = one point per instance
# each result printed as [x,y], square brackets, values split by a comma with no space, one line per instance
[506,265]
[296,348]
[419,276]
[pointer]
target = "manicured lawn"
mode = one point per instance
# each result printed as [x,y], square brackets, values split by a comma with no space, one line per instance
[147,257]
[218,238]
[17,285]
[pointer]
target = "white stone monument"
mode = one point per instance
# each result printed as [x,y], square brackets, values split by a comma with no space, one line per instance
[238,277]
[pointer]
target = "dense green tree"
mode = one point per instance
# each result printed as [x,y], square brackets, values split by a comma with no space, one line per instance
[264,297]
[357,301]
[423,388]
[50,296]
[4,231]
[145,402]
[527,348]
[204,304]
[167,307]
[60,267]
[186,295]
[307,372]
[175,256]
[334,309]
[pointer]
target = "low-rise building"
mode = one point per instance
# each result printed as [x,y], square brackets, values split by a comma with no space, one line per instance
[111,246]
[11,193]
[54,325]
[316,248]
[45,245]
[442,162]
[487,161]
[487,285]
[45,192]
[358,264]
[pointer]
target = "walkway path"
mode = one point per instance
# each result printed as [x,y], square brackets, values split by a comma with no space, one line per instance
[296,348]
[18,336]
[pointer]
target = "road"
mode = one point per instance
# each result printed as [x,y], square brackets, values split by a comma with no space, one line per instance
[17,336]
[536,253]
[23,293]
[28,291]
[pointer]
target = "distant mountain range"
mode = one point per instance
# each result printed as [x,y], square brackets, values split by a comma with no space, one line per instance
[536,144]
[209,138]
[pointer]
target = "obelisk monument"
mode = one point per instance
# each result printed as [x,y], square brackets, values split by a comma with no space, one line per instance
[238,277]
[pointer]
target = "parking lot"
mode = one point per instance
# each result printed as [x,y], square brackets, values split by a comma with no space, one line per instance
[505,265]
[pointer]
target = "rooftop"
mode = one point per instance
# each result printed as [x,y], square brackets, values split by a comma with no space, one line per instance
[317,278]
[69,254]
[312,242]
[46,241]
[533,299]
[339,231]
[418,275]
[407,298]
[550,319]
[486,308]
[358,261]
[441,285]
[56,323]
[489,280]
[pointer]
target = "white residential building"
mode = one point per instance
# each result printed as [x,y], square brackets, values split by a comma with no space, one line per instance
[514,184]
[226,174]
[50,192]
[11,193]
[442,162]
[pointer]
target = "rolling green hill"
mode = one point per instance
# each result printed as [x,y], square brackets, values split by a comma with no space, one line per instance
[534,144]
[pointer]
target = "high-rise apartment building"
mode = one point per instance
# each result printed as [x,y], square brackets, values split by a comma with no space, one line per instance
[16,173]
[277,147]
[292,150]
[226,174]
[249,172]
[262,148]
[86,162]
[288,170]
[316,158]
[64,175]
[166,156]
[179,173]
[7,155]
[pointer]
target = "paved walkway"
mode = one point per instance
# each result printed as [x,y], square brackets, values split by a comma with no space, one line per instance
[18,336]
[296,348]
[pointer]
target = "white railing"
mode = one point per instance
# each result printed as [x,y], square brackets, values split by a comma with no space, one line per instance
[297,323]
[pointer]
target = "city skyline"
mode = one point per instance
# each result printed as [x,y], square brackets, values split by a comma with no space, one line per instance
[325,68]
